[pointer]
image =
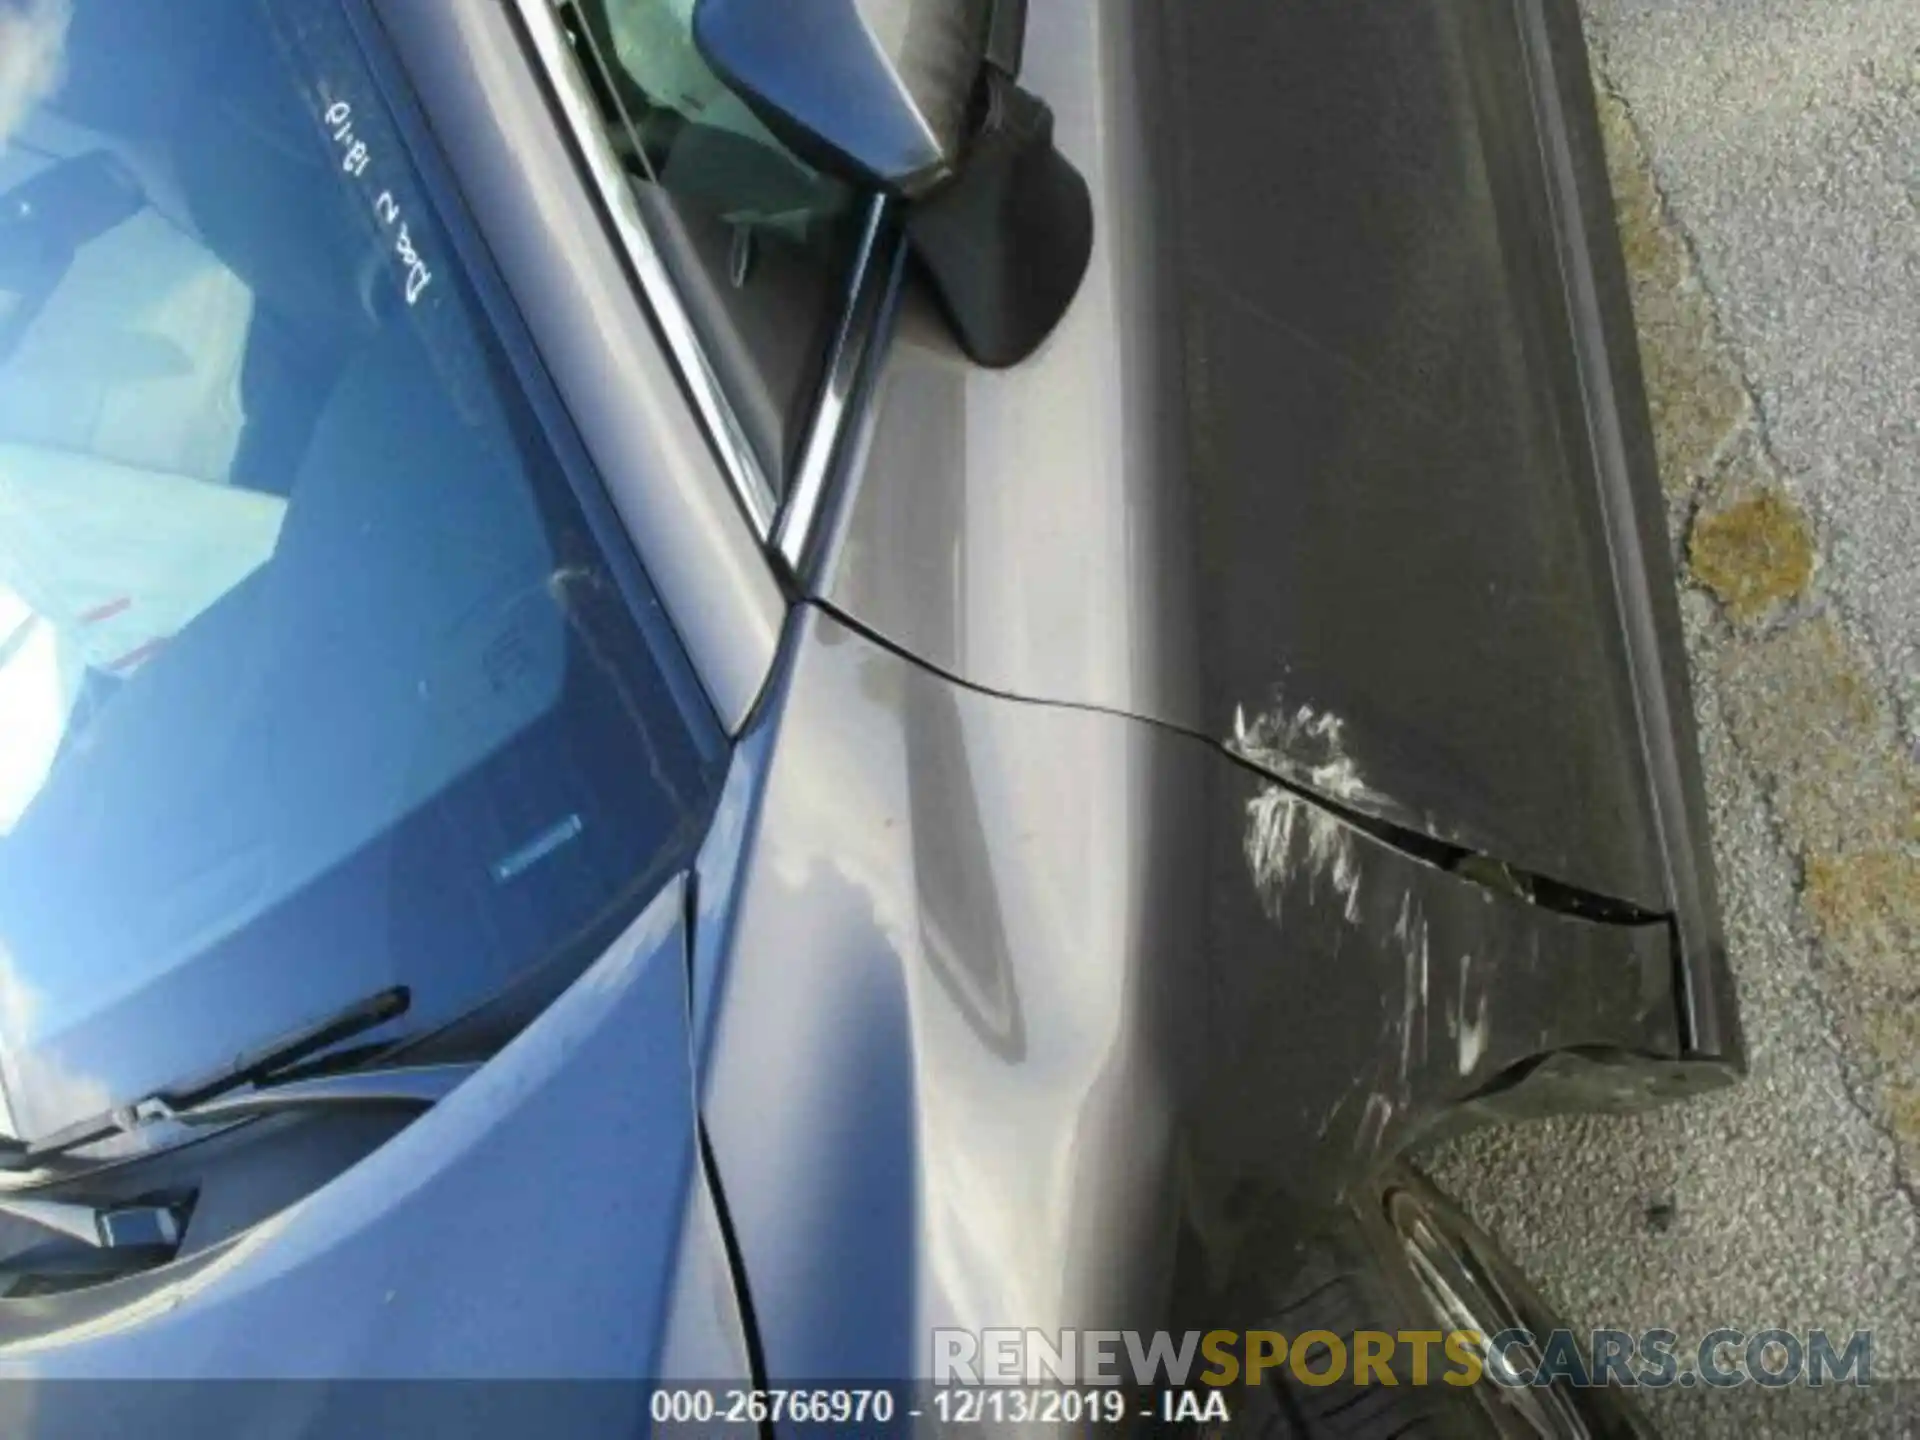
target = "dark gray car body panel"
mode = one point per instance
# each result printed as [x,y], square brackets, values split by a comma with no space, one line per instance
[1030,1015]
[1342,447]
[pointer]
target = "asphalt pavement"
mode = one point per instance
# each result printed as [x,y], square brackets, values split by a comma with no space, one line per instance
[1766,158]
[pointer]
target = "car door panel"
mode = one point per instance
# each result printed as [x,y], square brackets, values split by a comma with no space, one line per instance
[1341,458]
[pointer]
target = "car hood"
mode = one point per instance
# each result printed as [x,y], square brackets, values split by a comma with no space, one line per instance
[548,1221]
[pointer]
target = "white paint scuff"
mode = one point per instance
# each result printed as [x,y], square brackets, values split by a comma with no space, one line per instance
[1286,834]
[1304,745]
[1473,1034]
[1288,837]
[1373,1123]
[1410,931]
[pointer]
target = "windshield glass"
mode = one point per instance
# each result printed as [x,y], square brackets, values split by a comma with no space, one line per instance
[320,671]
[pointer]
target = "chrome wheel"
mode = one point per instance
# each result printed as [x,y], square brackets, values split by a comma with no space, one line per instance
[1464,1291]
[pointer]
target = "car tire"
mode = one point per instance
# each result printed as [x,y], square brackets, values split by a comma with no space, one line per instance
[1404,1257]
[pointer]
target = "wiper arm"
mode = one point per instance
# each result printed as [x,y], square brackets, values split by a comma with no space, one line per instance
[250,1069]
[154,1229]
[403,1087]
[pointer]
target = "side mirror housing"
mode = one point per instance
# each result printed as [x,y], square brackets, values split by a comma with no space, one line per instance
[876,90]
[917,98]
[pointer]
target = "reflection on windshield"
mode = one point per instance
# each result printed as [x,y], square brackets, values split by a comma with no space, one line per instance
[314,676]
[26,1069]
[115,560]
[36,697]
[32,41]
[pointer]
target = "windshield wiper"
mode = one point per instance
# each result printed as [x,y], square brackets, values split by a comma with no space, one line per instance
[146,1228]
[257,1068]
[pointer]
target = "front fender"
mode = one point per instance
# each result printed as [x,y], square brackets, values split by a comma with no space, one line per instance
[1021,1015]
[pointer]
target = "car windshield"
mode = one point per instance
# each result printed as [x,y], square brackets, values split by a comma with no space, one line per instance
[321,670]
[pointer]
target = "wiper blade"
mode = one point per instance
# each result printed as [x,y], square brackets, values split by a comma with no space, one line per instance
[255,1068]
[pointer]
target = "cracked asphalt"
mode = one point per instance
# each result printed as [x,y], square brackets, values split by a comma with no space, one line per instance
[1766,159]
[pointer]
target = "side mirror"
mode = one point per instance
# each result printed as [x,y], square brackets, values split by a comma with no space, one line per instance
[918,99]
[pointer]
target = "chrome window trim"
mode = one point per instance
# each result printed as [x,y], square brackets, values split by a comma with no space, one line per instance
[786,524]
[871,284]
[550,49]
